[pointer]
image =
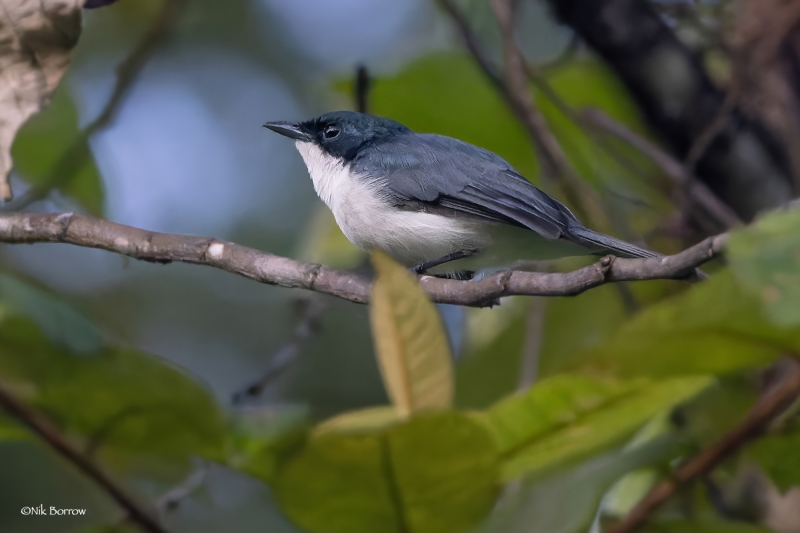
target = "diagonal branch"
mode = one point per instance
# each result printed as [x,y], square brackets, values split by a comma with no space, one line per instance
[771,404]
[41,427]
[90,232]
[512,85]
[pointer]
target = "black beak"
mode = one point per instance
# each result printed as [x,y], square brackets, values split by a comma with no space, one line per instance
[287,129]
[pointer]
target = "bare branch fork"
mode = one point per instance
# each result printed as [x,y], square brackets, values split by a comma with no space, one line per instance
[90,232]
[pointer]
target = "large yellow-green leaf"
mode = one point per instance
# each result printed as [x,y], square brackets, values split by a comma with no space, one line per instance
[765,258]
[435,473]
[410,341]
[567,418]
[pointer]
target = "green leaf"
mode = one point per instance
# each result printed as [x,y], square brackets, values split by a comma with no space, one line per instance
[702,526]
[57,320]
[765,258]
[567,502]
[261,438]
[715,327]
[435,473]
[564,419]
[363,421]
[132,408]
[552,403]
[11,430]
[410,341]
[778,456]
[50,150]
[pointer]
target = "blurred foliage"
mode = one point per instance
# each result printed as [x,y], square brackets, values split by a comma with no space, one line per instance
[777,455]
[50,151]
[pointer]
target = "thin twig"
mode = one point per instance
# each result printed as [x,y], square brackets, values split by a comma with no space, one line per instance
[310,312]
[771,405]
[671,167]
[41,427]
[362,89]
[512,87]
[473,45]
[70,162]
[90,232]
[172,499]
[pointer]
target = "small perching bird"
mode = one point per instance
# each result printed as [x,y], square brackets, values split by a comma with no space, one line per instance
[433,202]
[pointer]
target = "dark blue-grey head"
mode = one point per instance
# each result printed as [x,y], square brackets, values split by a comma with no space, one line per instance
[341,133]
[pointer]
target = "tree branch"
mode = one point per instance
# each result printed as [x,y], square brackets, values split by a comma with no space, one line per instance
[771,404]
[90,232]
[41,427]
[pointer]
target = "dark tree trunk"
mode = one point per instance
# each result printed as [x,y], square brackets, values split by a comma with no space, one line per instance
[743,163]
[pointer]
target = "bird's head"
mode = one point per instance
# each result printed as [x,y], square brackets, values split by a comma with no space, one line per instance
[341,133]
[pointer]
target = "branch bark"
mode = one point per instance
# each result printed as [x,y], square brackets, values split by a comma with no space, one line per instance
[90,232]
[771,404]
[41,427]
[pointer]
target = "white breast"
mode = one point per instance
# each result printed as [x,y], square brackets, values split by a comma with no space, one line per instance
[367,218]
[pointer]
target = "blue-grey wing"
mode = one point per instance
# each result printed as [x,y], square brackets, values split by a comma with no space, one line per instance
[437,171]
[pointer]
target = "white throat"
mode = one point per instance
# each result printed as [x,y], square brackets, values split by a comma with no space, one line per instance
[326,171]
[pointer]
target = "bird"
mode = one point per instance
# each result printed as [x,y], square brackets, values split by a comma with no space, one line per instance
[433,203]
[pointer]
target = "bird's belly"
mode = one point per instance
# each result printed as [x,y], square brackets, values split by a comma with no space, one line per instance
[410,237]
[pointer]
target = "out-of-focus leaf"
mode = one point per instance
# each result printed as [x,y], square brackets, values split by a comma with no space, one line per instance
[35,42]
[586,83]
[58,321]
[567,502]
[489,366]
[702,526]
[551,404]
[325,243]
[715,327]
[577,417]
[363,421]
[51,150]
[129,406]
[718,409]
[446,93]
[779,456]
[410,341]
[261,438]
[11,430]
[572,325]
[765,258]
[435,473]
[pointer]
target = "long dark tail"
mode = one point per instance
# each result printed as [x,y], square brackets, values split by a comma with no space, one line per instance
[600,243]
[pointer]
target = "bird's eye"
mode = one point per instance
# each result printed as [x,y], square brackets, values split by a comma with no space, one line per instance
[331,132]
